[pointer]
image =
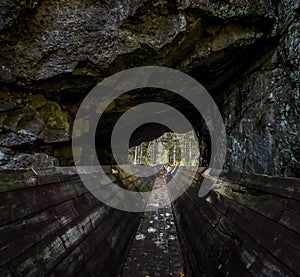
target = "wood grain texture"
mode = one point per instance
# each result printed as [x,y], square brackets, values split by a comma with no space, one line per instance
[247,225]
[51,225]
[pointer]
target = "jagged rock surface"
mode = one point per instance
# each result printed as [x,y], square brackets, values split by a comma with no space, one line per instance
[246,53]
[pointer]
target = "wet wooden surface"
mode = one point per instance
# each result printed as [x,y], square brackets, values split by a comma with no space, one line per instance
[247,225]
[51,225]
[156,249]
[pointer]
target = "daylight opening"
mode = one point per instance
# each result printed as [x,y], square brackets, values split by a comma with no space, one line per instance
[170,148]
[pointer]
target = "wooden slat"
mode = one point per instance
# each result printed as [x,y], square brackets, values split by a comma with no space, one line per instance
[44,255]
[115,256]
[281,242]
[283,210]
[49,221]
[20,203]
[24,233]
[284,187]
[254,256]
[259,225]
[111,234]
[15,179]
[204,234]
[78,257]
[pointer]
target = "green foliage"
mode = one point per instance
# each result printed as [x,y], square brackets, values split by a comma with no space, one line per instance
[170,148]
[149,185]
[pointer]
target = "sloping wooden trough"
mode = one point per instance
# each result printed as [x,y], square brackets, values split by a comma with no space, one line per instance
[51,225]
[248,225]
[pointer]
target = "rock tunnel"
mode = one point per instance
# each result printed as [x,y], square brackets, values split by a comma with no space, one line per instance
[246,54]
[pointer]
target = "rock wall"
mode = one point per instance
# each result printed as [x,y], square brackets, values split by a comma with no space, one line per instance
[86,38]
[246,53]
[262,112]
[29,125]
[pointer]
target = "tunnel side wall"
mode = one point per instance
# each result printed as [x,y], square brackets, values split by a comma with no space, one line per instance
[261,112]
[248,224]
[51,225]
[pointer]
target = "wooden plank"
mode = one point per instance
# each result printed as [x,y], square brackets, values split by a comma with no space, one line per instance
[107,258]
[20,203]
[24,233]
[5,271]
[278,240]
[264,203]
[77,258]
[284,210]
[15,238]
[44,255]
[291,220]
[200,251]
[208,241]
[259,260]
[191,263]
[96,259]
[14,179]
[117,246]
[285,187]
[254,256]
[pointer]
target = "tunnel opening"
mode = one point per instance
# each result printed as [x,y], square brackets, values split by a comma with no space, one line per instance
[167,150]
[246,53]
[151,131]
[155,244]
